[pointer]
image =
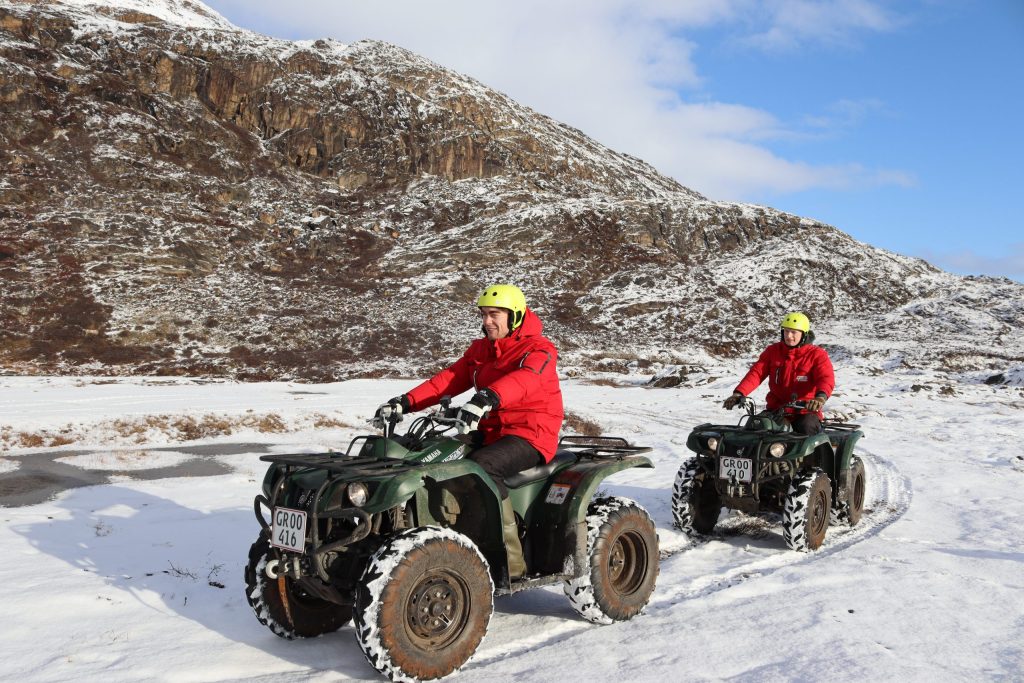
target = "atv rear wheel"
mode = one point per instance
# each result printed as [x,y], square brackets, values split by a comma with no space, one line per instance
[696,504]
[807,511]
[282,605]
[852,510]
[622,562]
[423,604]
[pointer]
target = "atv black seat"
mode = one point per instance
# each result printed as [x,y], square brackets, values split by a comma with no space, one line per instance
[562,458]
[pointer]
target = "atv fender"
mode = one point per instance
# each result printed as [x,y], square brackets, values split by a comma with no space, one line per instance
[585,477]
[402,487]
[844,449]
[816,444]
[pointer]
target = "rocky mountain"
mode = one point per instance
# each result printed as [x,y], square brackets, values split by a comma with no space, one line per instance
[180,196]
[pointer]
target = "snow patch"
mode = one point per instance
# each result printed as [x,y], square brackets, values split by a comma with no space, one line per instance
[126,461]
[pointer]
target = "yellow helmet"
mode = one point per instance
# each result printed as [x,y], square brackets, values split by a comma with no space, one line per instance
[505,296]
[796,321]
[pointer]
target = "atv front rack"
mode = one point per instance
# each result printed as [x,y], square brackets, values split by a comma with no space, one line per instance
[360,465]
[600,446]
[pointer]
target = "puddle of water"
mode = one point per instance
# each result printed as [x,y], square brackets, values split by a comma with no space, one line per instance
[41,476]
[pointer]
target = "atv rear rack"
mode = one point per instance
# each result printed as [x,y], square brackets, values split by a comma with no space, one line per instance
[839,426]
[600,446]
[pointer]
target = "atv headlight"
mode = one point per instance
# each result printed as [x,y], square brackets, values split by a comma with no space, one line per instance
[777,449]
[358,494]
[713,443]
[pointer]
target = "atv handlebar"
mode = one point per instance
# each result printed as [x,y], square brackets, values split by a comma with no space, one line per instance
[446,418]
[751,407]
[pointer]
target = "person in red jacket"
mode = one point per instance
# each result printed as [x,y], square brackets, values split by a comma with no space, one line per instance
[797,370]
[516,412]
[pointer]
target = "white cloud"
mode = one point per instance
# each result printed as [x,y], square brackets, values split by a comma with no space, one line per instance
[792,23]
[847,113]
[969,262]
[614,69]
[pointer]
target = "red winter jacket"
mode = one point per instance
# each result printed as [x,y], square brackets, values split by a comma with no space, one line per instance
[520,369]
[802,370]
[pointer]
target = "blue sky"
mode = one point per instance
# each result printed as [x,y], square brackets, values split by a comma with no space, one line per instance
[898,122]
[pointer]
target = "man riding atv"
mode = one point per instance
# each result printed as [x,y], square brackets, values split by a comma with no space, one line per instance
[797,370]
[516,412]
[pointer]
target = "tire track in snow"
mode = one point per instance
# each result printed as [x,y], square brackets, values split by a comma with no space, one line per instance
[889,491]
[891,494]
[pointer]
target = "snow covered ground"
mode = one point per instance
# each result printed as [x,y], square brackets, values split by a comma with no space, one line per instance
[126,578]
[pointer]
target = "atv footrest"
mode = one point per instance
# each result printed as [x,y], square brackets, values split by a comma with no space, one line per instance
[528,582]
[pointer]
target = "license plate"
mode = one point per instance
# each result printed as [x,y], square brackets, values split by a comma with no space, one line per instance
[288,530]
[740,468]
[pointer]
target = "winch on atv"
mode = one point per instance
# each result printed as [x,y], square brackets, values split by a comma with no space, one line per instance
[403,533]
[762,465]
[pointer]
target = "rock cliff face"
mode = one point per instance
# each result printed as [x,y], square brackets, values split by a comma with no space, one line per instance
[181,196]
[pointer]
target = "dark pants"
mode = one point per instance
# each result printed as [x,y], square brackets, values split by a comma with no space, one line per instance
[808,423]
[505,457]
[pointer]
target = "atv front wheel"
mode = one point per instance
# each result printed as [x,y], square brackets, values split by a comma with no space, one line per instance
[695,501]
[282,605]
[852,510]
[622,562]
[806,512]
[423,604]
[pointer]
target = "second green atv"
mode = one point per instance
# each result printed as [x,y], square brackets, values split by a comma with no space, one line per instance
[762,465]
[403,534]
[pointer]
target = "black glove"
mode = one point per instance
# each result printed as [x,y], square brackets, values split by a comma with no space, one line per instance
[396,406]
[815,404]
[731,402]
[474,410]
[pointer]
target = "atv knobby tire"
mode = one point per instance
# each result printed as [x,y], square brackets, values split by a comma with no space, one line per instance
[282,605]
[423,604]
[696,504]
[622,562]
[852,510]
[807,511]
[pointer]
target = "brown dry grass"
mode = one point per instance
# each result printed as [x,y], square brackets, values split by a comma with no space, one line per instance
[321,421]
[580,425]
[27,440]
[173,427]
[602,382]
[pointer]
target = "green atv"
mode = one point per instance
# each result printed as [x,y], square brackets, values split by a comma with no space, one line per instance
[404,534]
[761,465]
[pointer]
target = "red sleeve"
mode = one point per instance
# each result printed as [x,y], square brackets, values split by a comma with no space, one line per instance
[756,374]
[825,378]
[451,381]
[513,387]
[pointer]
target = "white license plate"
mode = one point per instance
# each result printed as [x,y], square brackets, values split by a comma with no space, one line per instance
[740,468]
[288,530]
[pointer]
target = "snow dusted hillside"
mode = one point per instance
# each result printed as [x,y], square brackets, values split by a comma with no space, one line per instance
[182,197]
[140,577]
[109,15]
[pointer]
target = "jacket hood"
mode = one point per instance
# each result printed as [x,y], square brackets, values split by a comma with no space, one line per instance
[531,326]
